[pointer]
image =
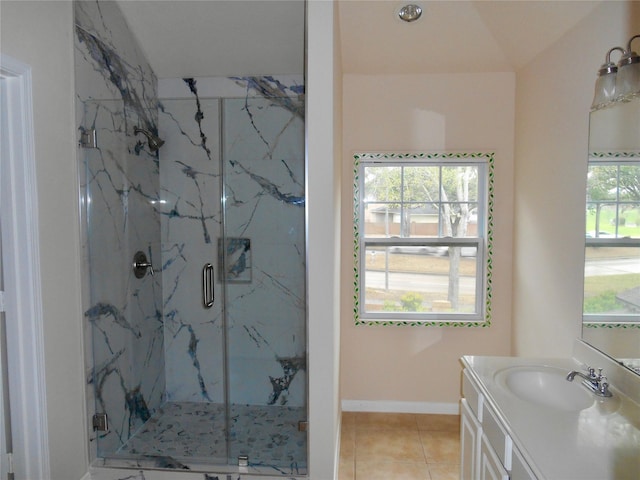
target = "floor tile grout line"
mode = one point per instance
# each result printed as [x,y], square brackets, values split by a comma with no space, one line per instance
[379,422]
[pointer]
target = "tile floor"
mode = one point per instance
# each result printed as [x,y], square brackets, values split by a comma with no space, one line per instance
[388,446]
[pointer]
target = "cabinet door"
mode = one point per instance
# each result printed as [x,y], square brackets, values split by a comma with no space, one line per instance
[490,466]
[470,432]
[519,469]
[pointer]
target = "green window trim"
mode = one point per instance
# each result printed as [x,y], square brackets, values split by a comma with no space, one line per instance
[482,318]
[605,321]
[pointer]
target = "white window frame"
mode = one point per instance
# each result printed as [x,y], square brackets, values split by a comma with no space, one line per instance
[483,241]
[591,320]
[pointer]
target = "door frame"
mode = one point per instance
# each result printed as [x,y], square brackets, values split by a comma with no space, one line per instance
[22,281]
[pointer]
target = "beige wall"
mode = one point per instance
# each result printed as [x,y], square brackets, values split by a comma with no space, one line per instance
[40,34]
[554,93]
[551,113]
[394,113]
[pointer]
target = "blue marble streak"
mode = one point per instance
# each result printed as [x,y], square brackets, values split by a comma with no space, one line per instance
[271,189]
[98,377]
[271,88]
[137,405]
[298,301]
[193,353]
[290,367]
[255,335]
[168,462]
[237,259]
[115,89]
[117,72]
[199,116]
[199,201]
[134,401]
[107,310]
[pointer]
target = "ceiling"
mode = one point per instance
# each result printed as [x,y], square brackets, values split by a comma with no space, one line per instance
[452,36]
[186,38]
[242,37]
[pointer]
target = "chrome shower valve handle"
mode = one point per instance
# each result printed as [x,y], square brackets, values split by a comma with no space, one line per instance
[141,265]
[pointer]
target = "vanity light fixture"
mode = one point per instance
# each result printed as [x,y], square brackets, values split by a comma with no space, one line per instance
[410,13]
[628,79]
[618,83]
[606,82]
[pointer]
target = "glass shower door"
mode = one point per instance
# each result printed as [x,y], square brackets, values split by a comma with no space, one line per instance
[120,188]
[264,281]
[193,325]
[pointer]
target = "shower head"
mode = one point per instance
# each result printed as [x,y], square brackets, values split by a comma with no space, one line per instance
[154,142]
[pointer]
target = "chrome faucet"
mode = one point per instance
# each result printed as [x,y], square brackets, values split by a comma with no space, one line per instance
[598,384]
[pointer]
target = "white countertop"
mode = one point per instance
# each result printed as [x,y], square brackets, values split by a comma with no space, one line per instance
[599,442]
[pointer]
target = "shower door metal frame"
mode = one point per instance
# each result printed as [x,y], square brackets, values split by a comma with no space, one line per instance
[222,267]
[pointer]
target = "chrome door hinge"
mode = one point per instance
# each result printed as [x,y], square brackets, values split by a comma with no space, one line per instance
[88,138]
[10,472]
[100,422]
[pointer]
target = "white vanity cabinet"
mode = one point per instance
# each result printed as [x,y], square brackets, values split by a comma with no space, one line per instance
[487,450]
[470,437]
[522,420]
[490,466]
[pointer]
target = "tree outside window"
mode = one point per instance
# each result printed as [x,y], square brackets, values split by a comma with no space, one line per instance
[421,250]
[612,240]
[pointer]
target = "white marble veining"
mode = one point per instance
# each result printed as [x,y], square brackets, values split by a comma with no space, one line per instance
[263,168]
[191,224]
[159,364]
[116,90]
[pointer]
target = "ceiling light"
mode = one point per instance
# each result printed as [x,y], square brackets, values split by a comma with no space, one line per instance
[410,13]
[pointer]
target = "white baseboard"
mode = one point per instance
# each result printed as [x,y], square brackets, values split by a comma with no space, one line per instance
[87,476]
[400,407]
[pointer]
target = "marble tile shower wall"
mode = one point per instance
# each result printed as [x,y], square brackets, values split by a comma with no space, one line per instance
[191,223]
[149,339]
[116,90]
[263,155]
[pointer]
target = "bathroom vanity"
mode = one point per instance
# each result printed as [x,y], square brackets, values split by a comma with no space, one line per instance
[522,419]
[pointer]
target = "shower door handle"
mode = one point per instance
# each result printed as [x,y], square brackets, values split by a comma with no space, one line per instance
[207,286]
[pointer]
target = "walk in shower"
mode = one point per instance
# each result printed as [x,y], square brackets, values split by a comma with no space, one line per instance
[195,301]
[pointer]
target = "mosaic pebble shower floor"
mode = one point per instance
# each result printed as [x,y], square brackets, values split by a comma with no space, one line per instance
[194,433]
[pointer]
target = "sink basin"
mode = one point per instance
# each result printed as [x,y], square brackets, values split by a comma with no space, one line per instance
[545,386]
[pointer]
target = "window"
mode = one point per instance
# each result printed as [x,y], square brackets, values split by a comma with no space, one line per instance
[422,238]
[612,252]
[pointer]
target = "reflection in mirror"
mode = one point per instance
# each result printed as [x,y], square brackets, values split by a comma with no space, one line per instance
[611,311]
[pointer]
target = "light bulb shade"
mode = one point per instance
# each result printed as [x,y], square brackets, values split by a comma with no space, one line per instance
[628,82]
[605,91]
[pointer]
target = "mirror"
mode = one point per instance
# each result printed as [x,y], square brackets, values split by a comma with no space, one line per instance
[611,310]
